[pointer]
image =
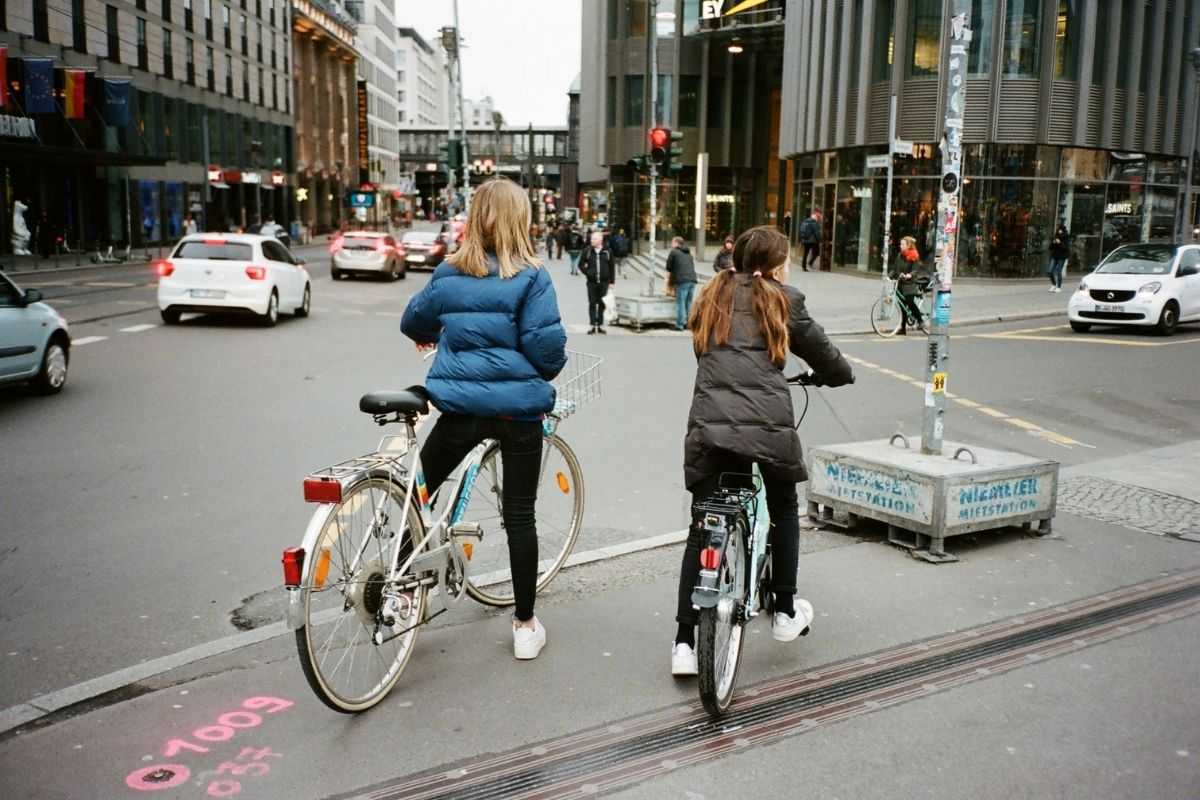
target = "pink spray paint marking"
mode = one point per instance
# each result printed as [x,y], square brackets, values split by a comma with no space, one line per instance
[250,761]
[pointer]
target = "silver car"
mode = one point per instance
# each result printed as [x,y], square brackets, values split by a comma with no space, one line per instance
[361,252]
[35,345]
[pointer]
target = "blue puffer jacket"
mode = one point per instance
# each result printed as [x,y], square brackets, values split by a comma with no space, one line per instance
[500,342]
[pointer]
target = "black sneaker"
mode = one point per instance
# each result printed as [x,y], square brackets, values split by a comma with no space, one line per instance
[601,330]
[591,330]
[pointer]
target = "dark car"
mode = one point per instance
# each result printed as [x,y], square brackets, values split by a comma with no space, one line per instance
[422,249]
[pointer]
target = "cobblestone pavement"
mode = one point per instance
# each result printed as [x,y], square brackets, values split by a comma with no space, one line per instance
[1131,506]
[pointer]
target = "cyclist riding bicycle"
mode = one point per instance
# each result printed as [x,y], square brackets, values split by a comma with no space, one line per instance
[493,311]
[743,325]
[912,282]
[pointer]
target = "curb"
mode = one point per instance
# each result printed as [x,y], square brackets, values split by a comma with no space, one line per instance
[970,321]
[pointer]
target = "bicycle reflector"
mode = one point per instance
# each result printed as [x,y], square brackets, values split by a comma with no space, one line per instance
[322,490]
[293,565]
[710,558]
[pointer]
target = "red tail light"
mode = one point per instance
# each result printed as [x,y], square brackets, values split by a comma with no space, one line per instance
[337,245]
[214,241]
[437,249]
[293,565]
[163,268]
[710,558]
[255,273]
[381,246]
[322,490]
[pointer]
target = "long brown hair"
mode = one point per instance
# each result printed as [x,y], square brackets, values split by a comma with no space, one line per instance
[757,252]
[499,224]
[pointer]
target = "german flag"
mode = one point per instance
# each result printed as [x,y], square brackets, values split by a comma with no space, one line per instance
[74,81]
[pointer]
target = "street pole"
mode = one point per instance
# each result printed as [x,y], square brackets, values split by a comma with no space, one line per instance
[653,33]
[462,117]
[1185,199]
[938,352]
[452,178]
[887,211]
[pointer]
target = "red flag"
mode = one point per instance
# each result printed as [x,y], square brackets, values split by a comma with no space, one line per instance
[3,77]
[74,81]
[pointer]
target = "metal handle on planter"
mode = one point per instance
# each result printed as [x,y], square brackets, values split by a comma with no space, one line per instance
[901,437]
[966,450]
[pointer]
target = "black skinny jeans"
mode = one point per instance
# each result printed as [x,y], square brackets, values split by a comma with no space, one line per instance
[449,442]
[784,508]
[596,292]
[911,311]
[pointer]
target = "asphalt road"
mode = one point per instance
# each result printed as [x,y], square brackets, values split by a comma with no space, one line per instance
[146,506]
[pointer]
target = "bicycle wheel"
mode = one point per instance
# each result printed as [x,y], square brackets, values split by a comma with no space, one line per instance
[719,642]
[886,326]
[345,608]
[558,514]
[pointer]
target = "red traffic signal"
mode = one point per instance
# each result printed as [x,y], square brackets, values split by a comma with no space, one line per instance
[659,137]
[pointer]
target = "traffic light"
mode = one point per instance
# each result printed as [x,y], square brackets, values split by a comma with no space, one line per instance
[639,164]
[675,153]
[660,147]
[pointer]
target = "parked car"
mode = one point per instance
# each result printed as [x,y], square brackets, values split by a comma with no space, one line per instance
[361,252]
[35,345]
[1140,284]
[424,249]
[232,273]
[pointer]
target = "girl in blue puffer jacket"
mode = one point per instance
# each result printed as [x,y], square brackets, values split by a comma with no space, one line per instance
[492,313]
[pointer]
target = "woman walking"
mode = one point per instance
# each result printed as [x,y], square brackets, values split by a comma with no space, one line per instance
[491,311]
[1060,249]
[743,326]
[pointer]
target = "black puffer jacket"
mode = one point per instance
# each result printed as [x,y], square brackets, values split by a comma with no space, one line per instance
[742,404]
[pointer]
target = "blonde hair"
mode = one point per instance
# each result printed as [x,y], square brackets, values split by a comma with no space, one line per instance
[908,242]
[499,225]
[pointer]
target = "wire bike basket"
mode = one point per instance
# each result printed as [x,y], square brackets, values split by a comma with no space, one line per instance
[578,383]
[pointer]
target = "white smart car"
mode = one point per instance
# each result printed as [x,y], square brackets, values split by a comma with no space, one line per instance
[1140,284]
[240,273]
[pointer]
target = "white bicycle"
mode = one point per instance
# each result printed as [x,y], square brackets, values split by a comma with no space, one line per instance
[378,560]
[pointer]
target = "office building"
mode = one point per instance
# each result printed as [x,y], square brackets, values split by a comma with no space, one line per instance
[423,88]
[378,97]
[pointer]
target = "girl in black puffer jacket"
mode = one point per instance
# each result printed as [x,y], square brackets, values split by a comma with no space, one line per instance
[743,326]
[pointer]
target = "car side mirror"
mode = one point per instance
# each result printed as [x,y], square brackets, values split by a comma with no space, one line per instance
[299,260]
[31,296]
[1190,269]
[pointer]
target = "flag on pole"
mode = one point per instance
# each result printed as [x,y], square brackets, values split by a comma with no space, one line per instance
[3,77]
[116,101]
[39,86]
[74,82]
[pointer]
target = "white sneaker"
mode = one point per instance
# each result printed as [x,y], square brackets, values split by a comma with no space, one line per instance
[787,629]
[1053,289]
[683,660]
[528,642]
[1057,289]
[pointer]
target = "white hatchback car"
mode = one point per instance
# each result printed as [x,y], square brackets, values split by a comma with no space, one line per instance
[216,272]
[1140,284]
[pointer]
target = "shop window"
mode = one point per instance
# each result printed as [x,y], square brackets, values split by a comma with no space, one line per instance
[1013,161]
[715,113]
[689,101]
[635,18]
[983,20]
[926,39]
[1124,216]
[1066,40]
[1084,165]
[858,227]
[634,88]
[1127,167]
[885,41]
[1165,170]
[1006,227]
[925,160]
[1022,37]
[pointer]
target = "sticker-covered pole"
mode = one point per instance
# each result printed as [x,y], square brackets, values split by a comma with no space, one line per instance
[938,354]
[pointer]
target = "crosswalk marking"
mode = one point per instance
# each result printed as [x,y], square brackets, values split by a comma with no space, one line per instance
[138,328]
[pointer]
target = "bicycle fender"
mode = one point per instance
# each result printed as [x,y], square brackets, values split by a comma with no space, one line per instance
[294,616]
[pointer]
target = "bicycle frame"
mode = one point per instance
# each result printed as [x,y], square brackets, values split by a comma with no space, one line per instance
[705,594]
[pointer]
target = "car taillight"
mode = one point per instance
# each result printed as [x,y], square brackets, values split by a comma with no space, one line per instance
[256,273]
[337,245]
[322,490]
[381,246]
[436,250]
[293,565]
[400,250]
[710,558]
[163,268]
[214,241]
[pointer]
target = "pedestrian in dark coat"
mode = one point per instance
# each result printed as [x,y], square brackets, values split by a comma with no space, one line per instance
[911,282]
[810,238]
[746,322]
[596,263]
[724,259]
[1060,250]
[682,271]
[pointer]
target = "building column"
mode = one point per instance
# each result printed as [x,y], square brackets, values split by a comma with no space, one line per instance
[1087,45]
[865,67]
[1134,79]
[727,111]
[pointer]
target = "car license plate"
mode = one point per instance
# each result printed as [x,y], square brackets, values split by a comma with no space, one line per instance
[416,259]
[208,294]
[1109,307]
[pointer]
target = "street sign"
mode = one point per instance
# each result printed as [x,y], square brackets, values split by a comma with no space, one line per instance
[902,147]
[878,162]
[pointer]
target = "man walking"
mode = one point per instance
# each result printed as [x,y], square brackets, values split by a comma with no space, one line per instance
[619,246]
[575,245]
[682,270]
[810,238]
[597,267]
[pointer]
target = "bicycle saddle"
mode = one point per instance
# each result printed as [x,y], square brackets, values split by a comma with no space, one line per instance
[413,400]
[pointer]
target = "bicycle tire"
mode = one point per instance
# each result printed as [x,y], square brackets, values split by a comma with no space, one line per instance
[321,678]
[885,327]
[481,579]
[718,662]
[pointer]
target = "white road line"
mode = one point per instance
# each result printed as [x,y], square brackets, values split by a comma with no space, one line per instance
[111,284]
[138,328]
[87,340]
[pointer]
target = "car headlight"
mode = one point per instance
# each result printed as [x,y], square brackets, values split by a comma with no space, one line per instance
[1150,288]
[1083,286]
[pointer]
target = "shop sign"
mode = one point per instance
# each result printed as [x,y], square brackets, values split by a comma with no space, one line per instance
[277,178]
[301,194]
[251,177]
[720,198]
[1123,207]
[861,192]
[878,162]
[214,174]
[17,127]
[232,176]
[711,9]
[364,156]
[361,199]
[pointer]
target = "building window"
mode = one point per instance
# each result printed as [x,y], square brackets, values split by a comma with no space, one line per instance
[226,26]
[190,56]
[208,20]
[258,8]
[168,58]
[662,109]
[114,40]
[633,99]
[166,10]
[610,111]
[273,51]
[262,89]
[612,19]
[979,55]
[78,27]
[229,75]
[258,45]
[143,52]
[1066,40]
[271,12]
[715,113]
[141,5]
[1022,37]
[187,15]
[245,36]
[246,83]
[926,39]
[689,101]
[885,41]
[635,17]
[210,69]
[275,92]
[41,21]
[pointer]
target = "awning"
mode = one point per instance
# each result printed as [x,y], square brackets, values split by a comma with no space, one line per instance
[74,156]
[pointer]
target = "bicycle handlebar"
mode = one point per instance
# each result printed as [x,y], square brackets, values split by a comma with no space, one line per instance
[810,378]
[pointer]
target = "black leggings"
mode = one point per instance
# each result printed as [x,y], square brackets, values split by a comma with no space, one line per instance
[910,308]
[521,455]
[784,508]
